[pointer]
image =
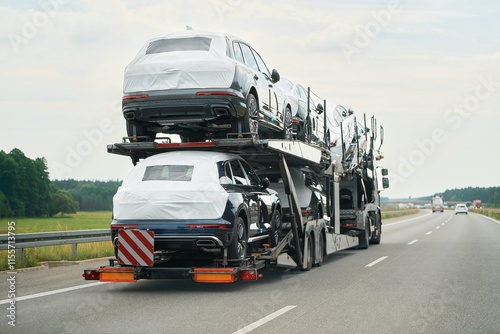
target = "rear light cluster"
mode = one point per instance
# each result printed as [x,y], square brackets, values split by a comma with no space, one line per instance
[135,97]
[216,93]
[207,226]
[119,227]
[91,274]
[307,213]
[249,275]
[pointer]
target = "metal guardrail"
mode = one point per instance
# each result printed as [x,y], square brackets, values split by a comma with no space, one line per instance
[29,240]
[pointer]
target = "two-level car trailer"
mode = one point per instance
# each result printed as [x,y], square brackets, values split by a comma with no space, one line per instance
[304,245]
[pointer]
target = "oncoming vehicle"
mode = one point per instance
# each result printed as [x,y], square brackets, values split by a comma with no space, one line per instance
[198,203]
[309,188]
[202,85]
[461,208]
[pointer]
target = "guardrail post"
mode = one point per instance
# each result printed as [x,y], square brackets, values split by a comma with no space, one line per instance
[19,255]
[74,250]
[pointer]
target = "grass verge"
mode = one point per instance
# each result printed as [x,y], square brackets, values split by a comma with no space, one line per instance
[398,213]
[79,221]
[493,213]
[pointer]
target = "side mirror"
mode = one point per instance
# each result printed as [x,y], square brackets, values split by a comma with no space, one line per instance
[264,182]
[385,182]
[275,76]
[319,108]
[385,172]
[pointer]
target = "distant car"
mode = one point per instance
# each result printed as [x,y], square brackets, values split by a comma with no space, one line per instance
[309,188]
[198,202]
[461,208]
[309,127]
[202,85]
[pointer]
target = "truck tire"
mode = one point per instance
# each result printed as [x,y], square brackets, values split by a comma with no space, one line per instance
[364,238]
[321,253]
[377,235]
[237,249]
[251,119]
[310,257]
[276,228]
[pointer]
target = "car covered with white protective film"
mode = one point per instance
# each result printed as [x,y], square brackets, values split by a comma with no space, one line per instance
[198,202]
[202,85]
[307,112]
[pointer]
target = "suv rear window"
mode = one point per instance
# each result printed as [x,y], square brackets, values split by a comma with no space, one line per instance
[168,173]
[179,44]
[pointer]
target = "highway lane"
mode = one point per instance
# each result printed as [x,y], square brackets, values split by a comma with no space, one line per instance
[445,281]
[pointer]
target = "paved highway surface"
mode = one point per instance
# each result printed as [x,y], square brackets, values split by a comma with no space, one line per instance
[432,273]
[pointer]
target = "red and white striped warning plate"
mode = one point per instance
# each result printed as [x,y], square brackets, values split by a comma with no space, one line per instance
[136,247]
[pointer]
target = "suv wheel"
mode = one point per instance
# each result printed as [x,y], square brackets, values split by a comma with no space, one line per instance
[237,249]
[251,120]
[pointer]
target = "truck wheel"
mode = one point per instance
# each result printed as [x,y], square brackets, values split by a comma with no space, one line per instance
[377,235]
[276,228]
[237,249]
[251,119]
[287,124]
[364,238]
[321,252]
[310,257]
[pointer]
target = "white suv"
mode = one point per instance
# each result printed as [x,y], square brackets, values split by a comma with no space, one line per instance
[461,208]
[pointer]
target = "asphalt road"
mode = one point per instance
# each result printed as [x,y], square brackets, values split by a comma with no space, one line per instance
[432,273]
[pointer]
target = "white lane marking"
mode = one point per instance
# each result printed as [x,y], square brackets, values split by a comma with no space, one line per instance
[376,261]
[428,232]
[437,227]
[442,224]
[262,321]
[407,220]
[412,242]
[53,292]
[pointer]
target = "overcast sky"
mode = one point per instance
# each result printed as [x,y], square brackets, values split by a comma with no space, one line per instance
[428,70]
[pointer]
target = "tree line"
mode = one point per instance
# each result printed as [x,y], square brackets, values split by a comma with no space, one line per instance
[489,196]
[27,191]
[91,195]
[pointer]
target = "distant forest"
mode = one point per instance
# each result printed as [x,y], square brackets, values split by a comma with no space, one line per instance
[488,196]
[27,191]
[91,195]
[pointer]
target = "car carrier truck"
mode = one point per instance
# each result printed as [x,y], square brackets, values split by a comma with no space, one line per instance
[352,217]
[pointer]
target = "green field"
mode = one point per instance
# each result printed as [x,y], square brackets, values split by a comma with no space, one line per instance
[79,221]
[71,222]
